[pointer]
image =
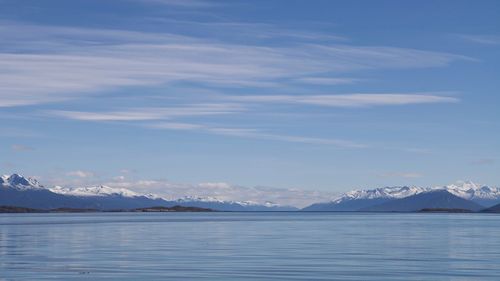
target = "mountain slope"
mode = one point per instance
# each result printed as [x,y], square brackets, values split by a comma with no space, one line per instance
[481,194]
[351,205]
[493,209]
[358,199]
[16,190]
[19,182]
[436,199]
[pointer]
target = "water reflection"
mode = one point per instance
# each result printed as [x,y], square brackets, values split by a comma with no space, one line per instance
[249,246]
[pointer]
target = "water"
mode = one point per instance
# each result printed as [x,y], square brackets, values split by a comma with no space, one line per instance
[249,246]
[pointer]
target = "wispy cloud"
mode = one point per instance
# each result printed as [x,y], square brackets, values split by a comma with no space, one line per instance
[486,39]
[81,174]
[150,113]
[349,100]
[172,114]
[234,105]
[21,147]
[256,32]
[328,80]
[65,63]
[180,3]
[483,162]
[407,175]
[256,134]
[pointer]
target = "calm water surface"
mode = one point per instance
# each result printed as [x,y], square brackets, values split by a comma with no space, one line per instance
[249,246]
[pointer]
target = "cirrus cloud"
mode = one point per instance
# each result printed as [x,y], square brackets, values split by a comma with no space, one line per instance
[49,64]
[349,100]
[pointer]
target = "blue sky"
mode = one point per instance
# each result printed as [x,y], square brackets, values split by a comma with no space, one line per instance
[296,96]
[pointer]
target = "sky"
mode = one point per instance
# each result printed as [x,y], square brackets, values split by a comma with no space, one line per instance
[286,101]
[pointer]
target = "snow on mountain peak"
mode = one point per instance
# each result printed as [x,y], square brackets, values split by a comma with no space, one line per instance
[253,203]
[216,200]
[100,190]
[382,192]
[201,199]
[19,182]
[470,190]
[464,189]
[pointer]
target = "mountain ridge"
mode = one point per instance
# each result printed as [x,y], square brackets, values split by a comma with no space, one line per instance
[28,192]
[16,190]
[357,199]
[434,199]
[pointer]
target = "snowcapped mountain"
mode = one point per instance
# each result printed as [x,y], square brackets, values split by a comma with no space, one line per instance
[471,191]
[362,199]
[434,199]
[464,189]
[215,200]
[217,204]
[19,182]
[27,192]
[384,192]
[17,190]
[358,199]
[268,204]
[100,190]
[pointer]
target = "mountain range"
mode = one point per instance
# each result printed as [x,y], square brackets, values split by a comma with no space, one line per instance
[19,191]
[435,199]
[463,195]
[25,192]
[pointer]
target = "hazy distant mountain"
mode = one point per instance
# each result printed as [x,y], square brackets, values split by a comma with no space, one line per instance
[359,199]
[493,209]
[348,205]
[435,199]
[481,194]
[19,182]
[16,190]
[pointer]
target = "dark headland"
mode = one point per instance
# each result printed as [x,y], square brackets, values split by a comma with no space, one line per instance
[444,210]
[156,209]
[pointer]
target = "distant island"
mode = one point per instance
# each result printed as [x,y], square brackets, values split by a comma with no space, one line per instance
[176,208]
[156,209]
[12,209]
[444,210]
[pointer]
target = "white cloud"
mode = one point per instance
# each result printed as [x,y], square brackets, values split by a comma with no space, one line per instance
[252,31]
[256,134]
[176,126]
[173,113]
[483,161]
[407,175]
[50,64]
[349,100]
[179,3]
[119,178]
[81,174]
[227,192]
[21,147]
[327,80]
[482,39]
[150,113]
[127,171]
